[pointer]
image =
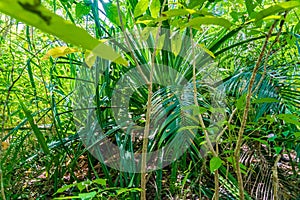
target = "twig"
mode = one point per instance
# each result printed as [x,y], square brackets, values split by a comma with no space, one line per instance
[206,135]
[269,52]
[245,115]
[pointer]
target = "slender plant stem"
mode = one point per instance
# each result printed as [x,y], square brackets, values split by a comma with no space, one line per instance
[246,112]
[206,135]
[275,178]
[269,53]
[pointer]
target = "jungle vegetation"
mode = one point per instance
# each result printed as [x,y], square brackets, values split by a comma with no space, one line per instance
[235,62]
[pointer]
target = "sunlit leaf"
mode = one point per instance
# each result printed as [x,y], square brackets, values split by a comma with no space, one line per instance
[214,164]
[203,47]
[59,51]
[178,12]
[155,8]
[208,20]
[176,43]
[280,7]
[82,9]
[40,17]
[141,7]
[111,11]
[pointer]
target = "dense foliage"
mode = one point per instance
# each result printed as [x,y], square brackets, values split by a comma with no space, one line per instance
[250,49]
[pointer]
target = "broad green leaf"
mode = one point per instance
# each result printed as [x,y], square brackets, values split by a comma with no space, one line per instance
[196,3]
[82,9]
[155,8]
[141,7]
[214,164]
[59,51]
[111,11]
[160,43]
[36,130]
[235,15]
[178,12]
[87,196]
[250,5]
[38,16]
[146,19]
[208,20]
[240,103]
[176,43]
[100,181]
[289,118]
[278,150]
[280,7]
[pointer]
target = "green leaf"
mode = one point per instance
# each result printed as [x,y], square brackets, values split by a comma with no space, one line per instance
[100,181]
[250,5]
[240,103]
[214,164]
[297,27]
[82,9]
[36,130]
[278,150]
[266,100]
[289,118]
[58,52]
[64,188]
[38,16]
[69,197]
[155,8]
[86,196]
[208,20]
[111,11]
[204,48]
[280,7]
[196,3]
[141,7]
[178,12]
[176,43]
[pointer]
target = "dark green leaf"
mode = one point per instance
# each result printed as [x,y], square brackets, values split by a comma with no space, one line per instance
[36,130]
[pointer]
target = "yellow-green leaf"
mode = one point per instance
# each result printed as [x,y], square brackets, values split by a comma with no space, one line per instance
[203,47]
[141,7]
[178,12]
[155,8]
[59,51]
[34,14]
[208,20]
[176,43]
[280,7]
[214,164]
